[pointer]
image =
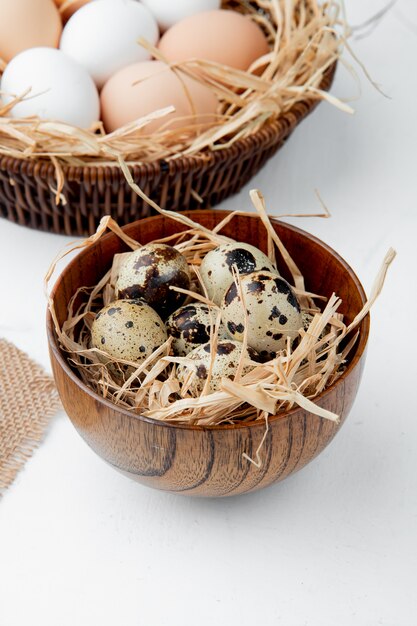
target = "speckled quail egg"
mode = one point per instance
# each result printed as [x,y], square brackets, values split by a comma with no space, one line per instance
[190,327]
[216,268]
[149,272]
[308,318]
[227,359]
[128,329]
[273,312]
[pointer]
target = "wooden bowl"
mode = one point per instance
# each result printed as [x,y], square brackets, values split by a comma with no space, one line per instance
[208,461]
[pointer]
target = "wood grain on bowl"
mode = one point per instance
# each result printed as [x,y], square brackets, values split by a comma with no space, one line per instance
[209,461]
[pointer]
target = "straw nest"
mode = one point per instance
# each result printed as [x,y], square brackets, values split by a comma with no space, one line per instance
[294,377]
[306,39]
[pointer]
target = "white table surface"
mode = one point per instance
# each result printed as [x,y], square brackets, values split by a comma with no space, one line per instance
[334,544]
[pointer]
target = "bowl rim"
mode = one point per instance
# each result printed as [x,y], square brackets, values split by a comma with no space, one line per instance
[359,353]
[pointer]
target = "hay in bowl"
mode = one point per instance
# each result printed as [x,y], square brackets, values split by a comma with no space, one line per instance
[63,179]
[259,427]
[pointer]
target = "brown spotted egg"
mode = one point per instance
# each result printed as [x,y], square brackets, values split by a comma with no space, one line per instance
[216,268]
[128,329]
[190,327]
[149,272]
[273,312]
[308,318]
[227,359]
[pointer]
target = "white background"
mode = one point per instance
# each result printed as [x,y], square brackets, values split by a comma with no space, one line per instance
[333,545]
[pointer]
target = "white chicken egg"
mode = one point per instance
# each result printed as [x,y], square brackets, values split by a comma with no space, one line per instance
[273,312]
[103,36]
[190,327]
[227,359]
[129,330]
[60,89]
[216,268]
[149,272]
[168,13]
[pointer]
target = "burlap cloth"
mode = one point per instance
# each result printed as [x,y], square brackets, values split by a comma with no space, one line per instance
[28,400]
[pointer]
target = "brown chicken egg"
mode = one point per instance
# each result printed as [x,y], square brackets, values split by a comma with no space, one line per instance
[226,37]
[143,88]
[28,24]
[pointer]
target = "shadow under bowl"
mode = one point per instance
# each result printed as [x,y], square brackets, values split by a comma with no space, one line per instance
[208,461]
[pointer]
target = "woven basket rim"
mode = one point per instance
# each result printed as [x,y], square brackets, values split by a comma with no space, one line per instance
[271,132]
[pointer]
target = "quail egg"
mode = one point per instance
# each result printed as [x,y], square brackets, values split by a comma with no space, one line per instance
[308,318]
[227,359]
[273,312]
[149,272]
[216,268]
[190,327]
[128,329]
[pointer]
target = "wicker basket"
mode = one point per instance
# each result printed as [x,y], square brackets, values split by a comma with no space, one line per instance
[26,195]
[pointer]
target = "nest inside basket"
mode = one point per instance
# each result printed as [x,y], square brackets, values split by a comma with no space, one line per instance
[295,377]
[304,44]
